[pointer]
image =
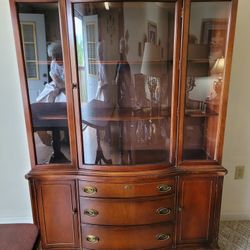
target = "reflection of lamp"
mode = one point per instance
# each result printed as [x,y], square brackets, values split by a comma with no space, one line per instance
[218,66]
[217,70]
[106,5]
[152,67]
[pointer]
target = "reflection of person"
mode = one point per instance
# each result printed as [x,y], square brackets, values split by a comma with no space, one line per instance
[102,78]
[55,90]
[123,79]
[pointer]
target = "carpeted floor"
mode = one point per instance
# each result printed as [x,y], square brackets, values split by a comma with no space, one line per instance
[234,235]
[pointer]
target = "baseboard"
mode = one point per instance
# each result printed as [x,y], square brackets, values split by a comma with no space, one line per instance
[9,220]
[235,215]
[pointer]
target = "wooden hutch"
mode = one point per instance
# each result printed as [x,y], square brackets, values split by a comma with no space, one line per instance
[125,105]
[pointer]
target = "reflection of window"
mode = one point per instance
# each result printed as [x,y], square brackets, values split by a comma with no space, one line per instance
[91,47]
[80,54]
[79,39]
[28,30]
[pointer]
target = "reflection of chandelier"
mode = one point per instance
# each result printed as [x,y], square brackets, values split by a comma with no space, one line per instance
[190,84]
[152,68]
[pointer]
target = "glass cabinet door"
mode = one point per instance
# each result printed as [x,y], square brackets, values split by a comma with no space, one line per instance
[125,72]
[39,29]
[207,41]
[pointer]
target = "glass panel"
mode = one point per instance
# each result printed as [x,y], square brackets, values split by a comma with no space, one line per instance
[41,41]
[31,70]
[30,51]
[205,67]
[28,32]
[125,64]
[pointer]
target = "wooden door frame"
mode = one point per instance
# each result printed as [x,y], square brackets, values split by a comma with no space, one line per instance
[174,101]
[225,88]
[22,73]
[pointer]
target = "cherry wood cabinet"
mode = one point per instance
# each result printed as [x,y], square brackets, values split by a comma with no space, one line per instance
[125,106]
[195,211]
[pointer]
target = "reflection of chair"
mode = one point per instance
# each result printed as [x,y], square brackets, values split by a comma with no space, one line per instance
[99,152]
[96,114]
[140,91]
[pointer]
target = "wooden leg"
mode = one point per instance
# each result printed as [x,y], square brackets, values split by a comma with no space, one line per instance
[57,156]
[99,153]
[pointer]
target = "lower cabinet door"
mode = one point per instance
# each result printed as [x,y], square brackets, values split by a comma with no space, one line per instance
[196,209]
[58,214]
[155,236]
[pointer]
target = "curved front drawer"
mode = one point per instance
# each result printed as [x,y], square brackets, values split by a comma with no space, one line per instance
[127,211]
[132,237]
[126,190]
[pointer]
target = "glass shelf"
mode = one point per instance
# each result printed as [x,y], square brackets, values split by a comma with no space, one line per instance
[199,113]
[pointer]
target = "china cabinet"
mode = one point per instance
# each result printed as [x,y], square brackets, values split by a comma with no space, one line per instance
[125,107]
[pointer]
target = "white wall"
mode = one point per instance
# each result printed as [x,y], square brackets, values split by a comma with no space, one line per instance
[236,202]
[14,158]
[138,15]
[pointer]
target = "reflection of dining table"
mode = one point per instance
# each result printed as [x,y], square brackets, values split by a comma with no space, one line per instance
[100,115]
[51,117]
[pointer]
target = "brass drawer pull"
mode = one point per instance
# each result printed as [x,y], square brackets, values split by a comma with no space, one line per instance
[89,190]
[92,239]
[91,212]
[164,188]
[163,211]
[162,236]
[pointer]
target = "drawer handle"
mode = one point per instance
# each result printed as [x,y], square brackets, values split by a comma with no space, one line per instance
[90,190]
[162,236]
[164,188]
[163,211]
[92,239]
[91,212]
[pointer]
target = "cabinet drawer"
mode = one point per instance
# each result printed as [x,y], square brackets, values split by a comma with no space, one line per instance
[126,190]
[138,237]
[127,211]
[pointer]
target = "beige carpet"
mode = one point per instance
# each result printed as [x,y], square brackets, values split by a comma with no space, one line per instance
[234,235]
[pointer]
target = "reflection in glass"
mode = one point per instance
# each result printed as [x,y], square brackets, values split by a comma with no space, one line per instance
[30,52]
[125,78]
[42,51]
[205,67]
